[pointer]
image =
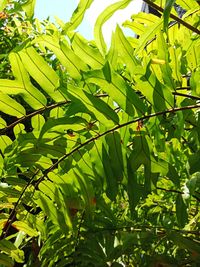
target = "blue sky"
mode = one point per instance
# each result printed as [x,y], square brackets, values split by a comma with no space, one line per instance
[64,9]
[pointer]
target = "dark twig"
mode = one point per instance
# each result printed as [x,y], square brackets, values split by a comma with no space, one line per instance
[39,111]
[176,191]
[172,110]
[13,212]
[93,139]
[187,25]
[170,190]
[184,88]
[185,95]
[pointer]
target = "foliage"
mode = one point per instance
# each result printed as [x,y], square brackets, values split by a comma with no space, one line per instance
[100,147]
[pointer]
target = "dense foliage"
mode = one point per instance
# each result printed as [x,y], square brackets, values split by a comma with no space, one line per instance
[100,148]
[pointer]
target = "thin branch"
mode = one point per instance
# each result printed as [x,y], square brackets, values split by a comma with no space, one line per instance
[93,139]
[170,190]
[187,25]
[13,212]
[183,88]
[176,191]
[39,111]
[185,95]
[172,110]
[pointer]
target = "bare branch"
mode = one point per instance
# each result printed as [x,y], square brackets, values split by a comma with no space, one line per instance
[185,95]
[93,139]
[39,111]
[187,25]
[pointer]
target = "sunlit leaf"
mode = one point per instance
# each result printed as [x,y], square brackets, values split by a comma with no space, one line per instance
[103,17]
[45,76]
[166,14]
[23,226]
[86,52]
[29,7]
[78,15]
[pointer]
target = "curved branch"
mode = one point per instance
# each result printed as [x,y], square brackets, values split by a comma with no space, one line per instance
[13,212]
[93,139]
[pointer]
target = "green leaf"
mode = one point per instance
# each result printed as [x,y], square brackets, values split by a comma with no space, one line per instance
[187,4]
[42,73]
[11,87]
[86,189]
[144,18]
[166,14]
[48,207]
[163,54]
[9,248]
[134,189]
[24,227]
[3,123]
[142,154]
[184,242]
[73,59]
[148,35]
[3,4]
[103,17]
[26,159]
[113,84]
[195,82]
[102,111]
[65,55]
[30,93]
[112,55]
[193,55]
[11,107]
[78,15]
[127,53]
[6,261]
[194,183]
[114,150]
[73,123]
[137,28]
[181,211]
[5,141]
[157,93]
[194,162]
[111,179]
[86,52]
[37,122]
[29,7]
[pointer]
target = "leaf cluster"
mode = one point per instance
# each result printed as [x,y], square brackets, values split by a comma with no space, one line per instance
[100,147]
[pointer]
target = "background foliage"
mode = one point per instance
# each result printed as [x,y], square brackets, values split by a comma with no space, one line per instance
[100,147]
